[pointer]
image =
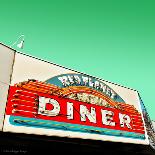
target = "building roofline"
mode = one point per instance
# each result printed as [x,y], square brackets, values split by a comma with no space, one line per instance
[67,67]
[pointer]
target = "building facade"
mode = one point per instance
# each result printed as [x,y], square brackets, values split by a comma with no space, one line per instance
[46,100]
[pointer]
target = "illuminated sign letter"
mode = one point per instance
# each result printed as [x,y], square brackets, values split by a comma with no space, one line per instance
[107,117]
[125,120]
[42,107]
[90,115]
[64,80]
[69,110]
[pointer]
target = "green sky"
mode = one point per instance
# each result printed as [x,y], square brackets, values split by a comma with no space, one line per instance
[111,39]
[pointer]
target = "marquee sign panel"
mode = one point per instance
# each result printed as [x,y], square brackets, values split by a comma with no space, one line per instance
[48,99]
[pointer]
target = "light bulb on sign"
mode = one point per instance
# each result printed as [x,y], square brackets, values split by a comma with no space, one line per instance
[21,44]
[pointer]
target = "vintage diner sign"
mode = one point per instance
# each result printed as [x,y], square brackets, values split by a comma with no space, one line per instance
[51,100]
